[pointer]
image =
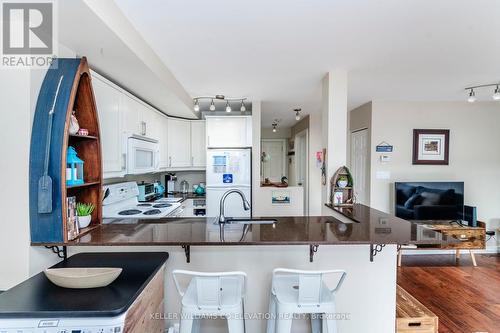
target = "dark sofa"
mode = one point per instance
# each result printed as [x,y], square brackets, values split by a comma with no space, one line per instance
[429,201]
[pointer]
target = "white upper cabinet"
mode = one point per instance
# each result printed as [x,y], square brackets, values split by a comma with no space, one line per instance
[198,145]
[163,141]
[108,109]
[130,115]
[229,131]
[179,143]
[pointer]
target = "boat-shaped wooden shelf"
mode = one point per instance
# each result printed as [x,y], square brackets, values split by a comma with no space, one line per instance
[75,94]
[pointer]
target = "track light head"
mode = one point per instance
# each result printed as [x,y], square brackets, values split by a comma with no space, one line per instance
[496,95]
[472,96]
[228,107]
[196,106]
[212,106]
[243,108]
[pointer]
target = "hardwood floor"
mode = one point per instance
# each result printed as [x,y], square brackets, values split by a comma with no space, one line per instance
[465,298]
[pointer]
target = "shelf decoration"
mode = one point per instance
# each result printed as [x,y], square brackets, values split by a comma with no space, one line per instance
[83,181]
[74,168]
[341,188]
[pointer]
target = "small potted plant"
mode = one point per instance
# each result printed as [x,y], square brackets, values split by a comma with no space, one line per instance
[343,181]
[84,212]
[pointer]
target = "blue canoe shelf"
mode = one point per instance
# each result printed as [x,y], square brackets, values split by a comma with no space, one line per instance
[75,93]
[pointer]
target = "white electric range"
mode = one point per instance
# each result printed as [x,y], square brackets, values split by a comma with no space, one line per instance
[120,201]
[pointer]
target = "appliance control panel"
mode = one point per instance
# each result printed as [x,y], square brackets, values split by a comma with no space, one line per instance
[74,325]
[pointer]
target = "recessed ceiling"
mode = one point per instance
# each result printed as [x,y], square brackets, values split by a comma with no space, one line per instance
[278,51]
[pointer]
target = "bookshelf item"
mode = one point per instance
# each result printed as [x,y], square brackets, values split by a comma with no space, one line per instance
[75,100]
[341,188]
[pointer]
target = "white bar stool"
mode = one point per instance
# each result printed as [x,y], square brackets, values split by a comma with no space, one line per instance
[300,292]
[218,294]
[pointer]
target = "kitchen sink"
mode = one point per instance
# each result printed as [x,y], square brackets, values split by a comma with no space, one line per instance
[251,221]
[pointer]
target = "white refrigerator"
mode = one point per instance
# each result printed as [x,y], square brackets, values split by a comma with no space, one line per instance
[228,168]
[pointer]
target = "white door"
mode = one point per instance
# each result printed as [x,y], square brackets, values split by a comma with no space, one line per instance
[179,143]
[274,163]
[108,109]
[198,146]
[229,132]
[301,165]
[360,167]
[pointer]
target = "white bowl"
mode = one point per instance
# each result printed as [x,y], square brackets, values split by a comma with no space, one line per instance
[81,278]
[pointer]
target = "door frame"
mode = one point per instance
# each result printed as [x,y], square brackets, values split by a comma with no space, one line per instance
[284,162]
[305,135]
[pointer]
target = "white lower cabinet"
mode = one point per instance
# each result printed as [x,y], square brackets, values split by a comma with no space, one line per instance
[179,143]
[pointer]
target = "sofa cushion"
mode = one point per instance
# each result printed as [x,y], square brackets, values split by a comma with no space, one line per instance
[404,192]
[444,197]
[415,199]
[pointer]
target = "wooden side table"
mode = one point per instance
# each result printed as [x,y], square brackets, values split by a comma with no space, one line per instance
[470,238]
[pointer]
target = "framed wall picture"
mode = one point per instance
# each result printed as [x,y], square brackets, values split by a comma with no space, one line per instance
[280,197]
[431,146]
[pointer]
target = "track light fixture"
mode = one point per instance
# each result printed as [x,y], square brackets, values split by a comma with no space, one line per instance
[297,113]
[496,95]
[472,94]
[196,104]
[274,128]
[196,107]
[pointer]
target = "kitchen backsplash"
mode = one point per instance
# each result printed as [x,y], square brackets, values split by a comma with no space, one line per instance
[192,177]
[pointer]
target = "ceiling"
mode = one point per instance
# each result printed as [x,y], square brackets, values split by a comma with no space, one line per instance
[278,51]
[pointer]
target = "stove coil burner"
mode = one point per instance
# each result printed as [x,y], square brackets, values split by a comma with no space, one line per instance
[162,205]
[144,205]
[152,212]
[129,212]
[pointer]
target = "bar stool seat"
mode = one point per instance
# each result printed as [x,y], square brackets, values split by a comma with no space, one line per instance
[303,292]
[218,294]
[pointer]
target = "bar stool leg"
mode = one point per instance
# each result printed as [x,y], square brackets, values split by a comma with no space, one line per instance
[331,325]
[235,325]
[271,322]
[284,323]
[316,323]
[186,325]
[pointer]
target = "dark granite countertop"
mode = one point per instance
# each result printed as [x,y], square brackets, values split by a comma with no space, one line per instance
[355,225]
[37,297]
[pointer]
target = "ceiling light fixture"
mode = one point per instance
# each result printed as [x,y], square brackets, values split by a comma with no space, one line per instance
[496,95]
[472,94]
[274,128]
[297,114]
[275,125]
[196,107]
[219,97]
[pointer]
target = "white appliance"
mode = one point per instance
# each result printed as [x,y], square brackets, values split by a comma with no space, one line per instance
[120,202]
[228,168]
[66,325]
[143,155]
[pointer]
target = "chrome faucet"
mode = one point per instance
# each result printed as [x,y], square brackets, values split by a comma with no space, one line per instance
[246,205]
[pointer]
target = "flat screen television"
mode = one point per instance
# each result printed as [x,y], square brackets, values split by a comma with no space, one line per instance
[438,201]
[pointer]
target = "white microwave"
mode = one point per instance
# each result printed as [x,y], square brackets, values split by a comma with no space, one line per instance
[143,155]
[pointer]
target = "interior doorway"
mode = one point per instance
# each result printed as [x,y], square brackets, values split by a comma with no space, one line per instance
[301,166]
[274,164]
[360,165]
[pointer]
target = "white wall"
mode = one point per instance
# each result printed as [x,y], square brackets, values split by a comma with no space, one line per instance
[281,133]
[474,152]
[267,208]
